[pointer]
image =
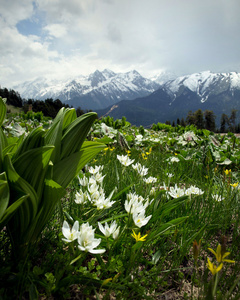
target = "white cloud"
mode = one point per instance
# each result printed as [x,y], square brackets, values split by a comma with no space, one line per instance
[56,30]
[78,37]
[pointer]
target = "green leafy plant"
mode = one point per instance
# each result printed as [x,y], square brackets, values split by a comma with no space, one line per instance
[38,171]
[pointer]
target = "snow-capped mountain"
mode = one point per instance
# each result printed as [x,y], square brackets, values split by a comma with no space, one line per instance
[218,92]
[98,90]
[164,77]
[204,84]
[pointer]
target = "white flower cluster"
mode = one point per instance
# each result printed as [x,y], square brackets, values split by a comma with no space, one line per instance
[94,191]
[136,206]
[85,237]
[176,191]
[173,159]
[187,137]
[142,171]
[125,160]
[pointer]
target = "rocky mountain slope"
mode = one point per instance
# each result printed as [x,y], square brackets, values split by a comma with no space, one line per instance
[98,90]
[219,92]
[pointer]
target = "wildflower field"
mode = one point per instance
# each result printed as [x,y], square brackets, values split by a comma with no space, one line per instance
[93,211]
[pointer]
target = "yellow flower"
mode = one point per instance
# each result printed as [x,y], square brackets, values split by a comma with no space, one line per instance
[105,149]
[112,148]
[106,281]
[234,184]
[138,236]
[227,172]
[213,268]
[175,153]
[128,152]
[219,256]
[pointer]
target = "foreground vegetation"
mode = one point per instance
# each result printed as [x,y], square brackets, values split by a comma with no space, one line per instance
[125,213]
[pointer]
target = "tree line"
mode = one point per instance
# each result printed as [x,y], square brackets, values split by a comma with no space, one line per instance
[48,107]
[206,120]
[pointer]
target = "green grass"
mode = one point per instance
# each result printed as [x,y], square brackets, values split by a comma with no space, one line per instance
[14,109]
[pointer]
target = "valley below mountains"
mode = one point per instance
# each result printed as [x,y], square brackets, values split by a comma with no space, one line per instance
[143,101]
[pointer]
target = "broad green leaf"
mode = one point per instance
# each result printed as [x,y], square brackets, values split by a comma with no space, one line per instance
[33,140]
[54,137]
[3,110]
[76,133]
[19,187]
[68,168]
[52,194]
[32,166]
[69,116]
[11,210]
[3,145]
[4,194]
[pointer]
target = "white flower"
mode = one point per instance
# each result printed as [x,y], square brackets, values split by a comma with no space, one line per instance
[150,180]
[70,234]
[176,192]
[142,171]
[107,231]
[153,191]
[104,203]
[83,181]
[125,160]
[92,188]
[95,170]
[98,177]
[134,203]
[170,175]
[218,197]
[140,220]
[193,190]
[87,241]
[137,166]
[94,196]
[80,197]
[174,159]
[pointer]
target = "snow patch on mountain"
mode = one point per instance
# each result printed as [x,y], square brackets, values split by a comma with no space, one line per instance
[204,84]
[116,86]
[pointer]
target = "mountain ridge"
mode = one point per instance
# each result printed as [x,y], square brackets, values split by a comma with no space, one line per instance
[219,92]
[97,90]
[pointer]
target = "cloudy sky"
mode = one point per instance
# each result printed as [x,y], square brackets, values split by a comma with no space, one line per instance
[66,38]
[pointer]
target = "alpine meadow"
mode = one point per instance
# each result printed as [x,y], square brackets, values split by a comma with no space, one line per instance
[101,209]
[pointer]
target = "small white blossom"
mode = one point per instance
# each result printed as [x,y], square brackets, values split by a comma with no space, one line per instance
[80,197]
[95,170]
[112,230]
[142,171]
[98,177]
[70,234]
[174,159]
[218,197]
[193,190]
[125,160]
[83,181]
[150,180]
[140,219]
[86,240]
[176,192]
[135,203]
